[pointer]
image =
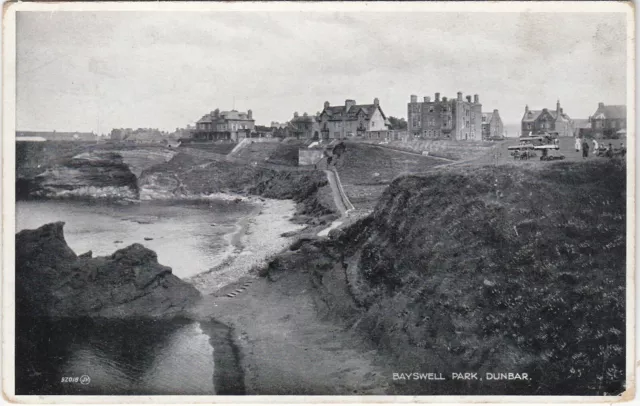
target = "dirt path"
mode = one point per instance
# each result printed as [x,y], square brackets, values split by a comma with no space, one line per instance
[335,190]
[287,349]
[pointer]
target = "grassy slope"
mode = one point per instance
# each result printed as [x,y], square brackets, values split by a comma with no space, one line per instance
[366,171]
[491,269]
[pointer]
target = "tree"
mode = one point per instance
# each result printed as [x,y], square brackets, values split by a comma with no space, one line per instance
[397,123]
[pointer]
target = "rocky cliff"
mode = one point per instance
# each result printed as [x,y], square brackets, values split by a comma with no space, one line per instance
[89,174]
[494,269]
[51,280]
[188,176]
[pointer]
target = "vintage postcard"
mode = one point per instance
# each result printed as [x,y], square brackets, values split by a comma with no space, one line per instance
[362,202]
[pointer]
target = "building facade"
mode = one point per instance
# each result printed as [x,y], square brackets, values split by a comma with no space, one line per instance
[304,126]
[555,122]
[338,122]
[492,127]
[452,119]
[224,126]
[608,121]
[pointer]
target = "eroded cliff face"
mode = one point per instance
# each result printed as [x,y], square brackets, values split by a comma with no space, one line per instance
[52,281]
[89,174]
[187,177]
[494,269]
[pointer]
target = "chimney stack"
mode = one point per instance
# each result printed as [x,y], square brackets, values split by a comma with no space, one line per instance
[376,101]
[437,97]
[476,99]
[495,111]
[459,96]
[326,105]
[250,114]
[526,108]
[427,99]
[469,99]
[444,99]
[414,98]
[600,105]
[349,103]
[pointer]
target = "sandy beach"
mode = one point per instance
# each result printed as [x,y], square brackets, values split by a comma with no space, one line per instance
[256,238]
[285,345]
[287,348]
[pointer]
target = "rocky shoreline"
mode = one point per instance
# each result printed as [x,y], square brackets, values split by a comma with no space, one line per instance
[231,325]
[52,281]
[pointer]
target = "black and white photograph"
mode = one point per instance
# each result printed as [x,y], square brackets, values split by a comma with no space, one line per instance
[247,200]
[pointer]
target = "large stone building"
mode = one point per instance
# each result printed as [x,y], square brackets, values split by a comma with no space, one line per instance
[554,122]
[451,119]
[337,122]
[608,120]
[224,125]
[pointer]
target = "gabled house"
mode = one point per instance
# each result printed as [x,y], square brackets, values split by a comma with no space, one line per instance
[554,122]
[304,126]
[609,120]
[224,125]
[338,122]
[492,126]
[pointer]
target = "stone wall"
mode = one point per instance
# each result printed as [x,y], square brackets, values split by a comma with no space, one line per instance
[309,156]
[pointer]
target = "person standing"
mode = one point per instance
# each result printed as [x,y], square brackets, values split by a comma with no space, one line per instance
[585,149]
[595,146]
[578,143]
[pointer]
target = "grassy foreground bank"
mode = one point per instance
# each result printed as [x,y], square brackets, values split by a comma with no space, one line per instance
[491,269]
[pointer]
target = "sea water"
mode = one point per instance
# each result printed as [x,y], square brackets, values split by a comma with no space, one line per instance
[126,357]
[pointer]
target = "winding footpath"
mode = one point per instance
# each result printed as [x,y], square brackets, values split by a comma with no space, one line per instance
[339,197]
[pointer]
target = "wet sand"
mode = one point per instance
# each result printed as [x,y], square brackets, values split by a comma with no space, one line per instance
[271,334]
[257,237]
[287,348]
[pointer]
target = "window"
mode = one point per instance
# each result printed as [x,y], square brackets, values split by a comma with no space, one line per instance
[430,109]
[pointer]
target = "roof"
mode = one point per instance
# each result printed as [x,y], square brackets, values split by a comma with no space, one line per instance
[528,118]
[304,119]
[338,113]
[612,111]
[225,115]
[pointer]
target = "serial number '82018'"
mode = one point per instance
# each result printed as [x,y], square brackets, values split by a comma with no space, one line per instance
[84,379]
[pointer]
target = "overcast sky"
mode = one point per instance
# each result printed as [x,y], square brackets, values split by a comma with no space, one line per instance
[93,71]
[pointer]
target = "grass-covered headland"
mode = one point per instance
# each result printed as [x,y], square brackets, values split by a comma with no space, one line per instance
[487,269]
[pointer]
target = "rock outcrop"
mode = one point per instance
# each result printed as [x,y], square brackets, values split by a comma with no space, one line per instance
[89,174]
[52,281]
[187,177]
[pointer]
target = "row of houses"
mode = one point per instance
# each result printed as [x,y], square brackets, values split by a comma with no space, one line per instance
[608,121]
[455,119]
